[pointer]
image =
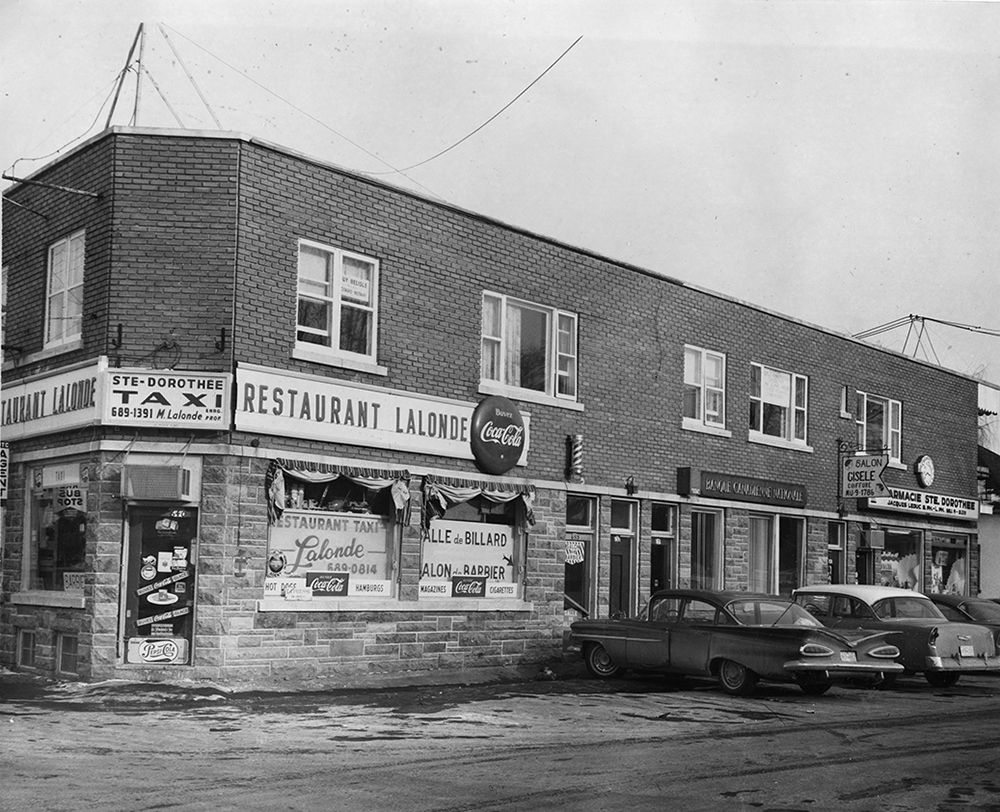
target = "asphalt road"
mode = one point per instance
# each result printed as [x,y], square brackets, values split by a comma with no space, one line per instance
[569,744]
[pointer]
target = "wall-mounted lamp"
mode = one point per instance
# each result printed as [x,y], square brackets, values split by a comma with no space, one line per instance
[630,486]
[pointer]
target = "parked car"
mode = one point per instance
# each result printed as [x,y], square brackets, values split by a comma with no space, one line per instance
[931,645]
[965,609]
[737,637]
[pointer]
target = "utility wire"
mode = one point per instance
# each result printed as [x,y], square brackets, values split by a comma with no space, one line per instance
[490,119]
[303,112]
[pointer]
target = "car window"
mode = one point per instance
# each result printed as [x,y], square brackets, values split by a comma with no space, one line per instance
[846,608]
[907,607]
[699,612]
[983,610]
[771,613]
[817,605]
[665,609]
[950,612]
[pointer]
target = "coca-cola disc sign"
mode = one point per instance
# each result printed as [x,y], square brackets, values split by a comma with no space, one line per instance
[497,435]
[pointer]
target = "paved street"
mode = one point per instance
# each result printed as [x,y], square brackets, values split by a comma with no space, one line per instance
[570,744]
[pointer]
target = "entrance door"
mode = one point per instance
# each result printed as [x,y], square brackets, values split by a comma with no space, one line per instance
[623,523]
[159,584]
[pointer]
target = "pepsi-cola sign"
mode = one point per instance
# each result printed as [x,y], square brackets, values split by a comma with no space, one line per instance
[498,435]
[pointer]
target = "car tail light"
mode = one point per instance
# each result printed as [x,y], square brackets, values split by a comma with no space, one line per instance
[888,652]
[933,637]
[815,650]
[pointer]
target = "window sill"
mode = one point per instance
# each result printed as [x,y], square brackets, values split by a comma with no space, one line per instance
[528,396]
[777,442]
[44,597]
[332,359]
[690,424]
[47,352]
[394,605]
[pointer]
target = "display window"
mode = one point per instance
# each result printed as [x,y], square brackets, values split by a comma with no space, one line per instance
[56,559]
[900,560]
[949,565]
[473,539]
[333,531]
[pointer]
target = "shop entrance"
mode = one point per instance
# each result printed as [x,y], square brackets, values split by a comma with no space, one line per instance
[159,584]
[623,522]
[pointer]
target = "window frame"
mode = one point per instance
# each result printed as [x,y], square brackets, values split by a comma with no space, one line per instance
[561,364]
[70,333]
[893,412]
[797,384]
[700,421]
[336,303]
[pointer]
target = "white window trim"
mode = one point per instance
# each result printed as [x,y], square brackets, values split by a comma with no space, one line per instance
[862,420]
[334,356]
[66,338]
[551,396]
[701,423]
[792,442]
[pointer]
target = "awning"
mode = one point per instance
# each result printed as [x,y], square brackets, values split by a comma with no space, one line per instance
[374,479]
[440,493]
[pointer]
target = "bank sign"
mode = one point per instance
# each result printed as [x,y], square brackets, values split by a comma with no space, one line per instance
[932,504]
[93,394]
[271,401]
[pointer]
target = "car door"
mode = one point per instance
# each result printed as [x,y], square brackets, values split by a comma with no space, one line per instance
[648,644]
[691,637]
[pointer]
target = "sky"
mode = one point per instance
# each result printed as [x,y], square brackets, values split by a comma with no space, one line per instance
[836,162]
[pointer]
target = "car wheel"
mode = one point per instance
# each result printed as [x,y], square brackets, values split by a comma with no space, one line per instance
[816,687]
[736,679]
[941,679]
[599,662]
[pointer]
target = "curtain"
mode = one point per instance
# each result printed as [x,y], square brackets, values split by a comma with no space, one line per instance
[374,479]
[440,493]
[512,352]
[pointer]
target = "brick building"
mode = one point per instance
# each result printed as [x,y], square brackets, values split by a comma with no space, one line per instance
[272,421]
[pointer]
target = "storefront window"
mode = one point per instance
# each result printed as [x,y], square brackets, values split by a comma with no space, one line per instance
[581,517]
[761,543]
[333,531]
[473,538]
[836,544]
[791,553]
[949,565]
[57,552]
[706,550]
[899,561]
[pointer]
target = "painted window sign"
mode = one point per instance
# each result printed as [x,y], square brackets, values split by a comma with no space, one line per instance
[457,555]
[315,554]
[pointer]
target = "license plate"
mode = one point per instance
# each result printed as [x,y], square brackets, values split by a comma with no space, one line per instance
[967,651]
[848,657]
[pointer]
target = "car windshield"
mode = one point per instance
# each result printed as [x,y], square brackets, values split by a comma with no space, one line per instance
[986,611]
[907,607]
[770,613]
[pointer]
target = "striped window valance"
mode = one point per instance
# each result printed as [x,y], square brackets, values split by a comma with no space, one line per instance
[374,479]
[441,493]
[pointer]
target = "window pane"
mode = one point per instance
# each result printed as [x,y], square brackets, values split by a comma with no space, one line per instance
[754,381]
[713,407]
[57,267]
[692,367]
[692,402]
[313,268]
[621,514]
[874,424]
[662,520]
[74,272]
[355,330]
[578,511]
[775,420]
[356,281]
[526,350]
[490,365]
[567,377]
[713,371]
[314,314]
[491,316]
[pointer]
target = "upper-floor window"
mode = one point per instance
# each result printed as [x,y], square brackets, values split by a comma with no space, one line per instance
[778,404]
[529,347]
[337,302]
[880,425]
[704,388]
[64,306]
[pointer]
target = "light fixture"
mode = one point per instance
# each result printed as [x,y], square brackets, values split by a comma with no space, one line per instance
[630,486]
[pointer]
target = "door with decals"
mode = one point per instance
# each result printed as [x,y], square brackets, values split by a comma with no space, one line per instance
[160,581]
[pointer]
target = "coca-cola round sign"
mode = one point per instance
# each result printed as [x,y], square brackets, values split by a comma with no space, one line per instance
[497,435]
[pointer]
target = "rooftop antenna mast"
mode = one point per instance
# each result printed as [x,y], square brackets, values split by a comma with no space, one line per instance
[124,73]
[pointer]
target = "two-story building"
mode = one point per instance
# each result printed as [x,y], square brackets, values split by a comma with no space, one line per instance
[272,421]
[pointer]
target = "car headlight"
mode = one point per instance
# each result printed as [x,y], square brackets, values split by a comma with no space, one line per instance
[888,652]
[815,650]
